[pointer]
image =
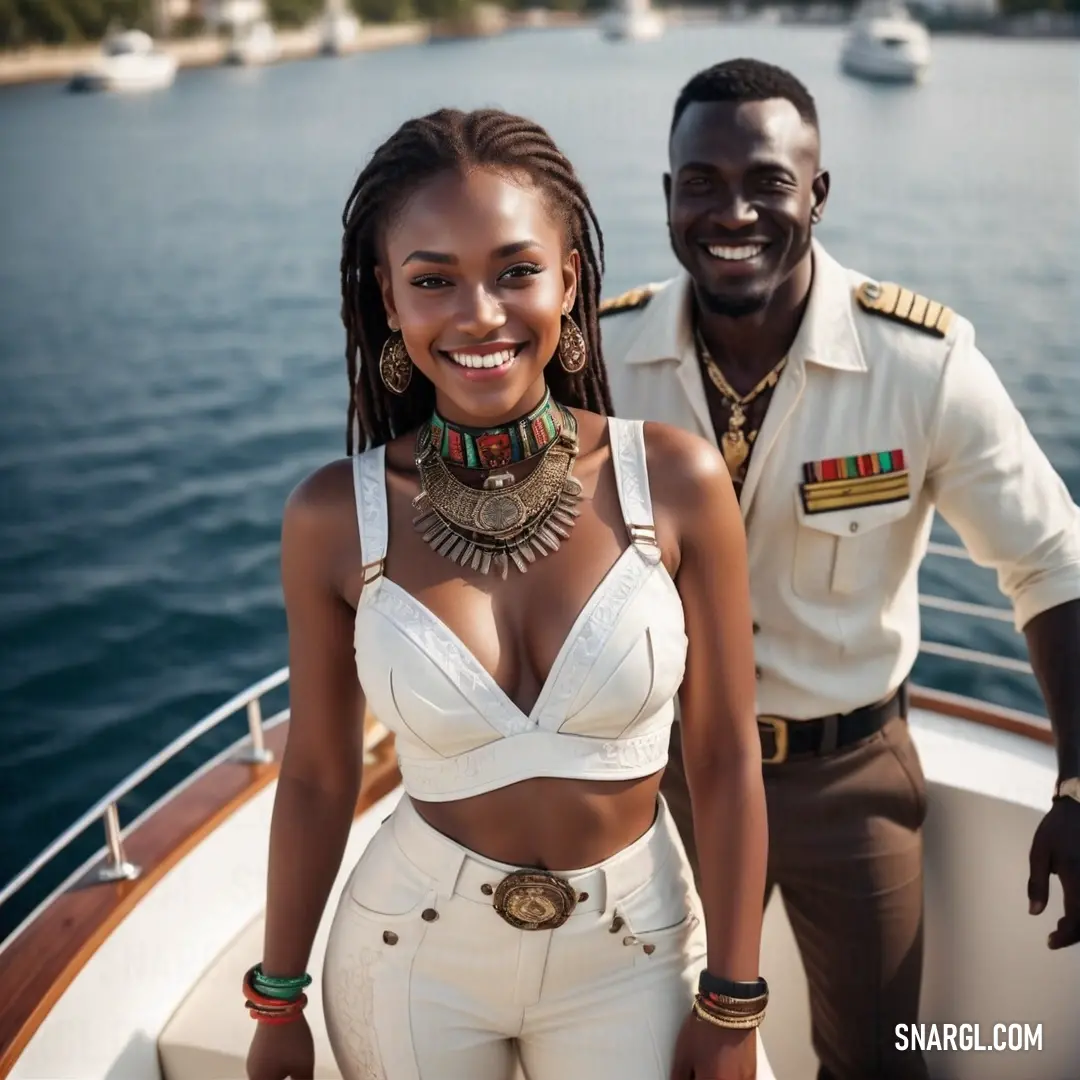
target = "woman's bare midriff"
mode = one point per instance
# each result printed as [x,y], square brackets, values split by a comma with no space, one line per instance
[550,824]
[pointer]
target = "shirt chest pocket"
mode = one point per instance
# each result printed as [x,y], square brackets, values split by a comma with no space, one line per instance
[843,553]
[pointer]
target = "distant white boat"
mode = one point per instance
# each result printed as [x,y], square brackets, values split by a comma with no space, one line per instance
[253,43]
[339,29]
[885,44]
[130,61]
[632,20]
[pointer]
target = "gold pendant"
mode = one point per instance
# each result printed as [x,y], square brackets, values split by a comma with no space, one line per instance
[734,446]
[735,450]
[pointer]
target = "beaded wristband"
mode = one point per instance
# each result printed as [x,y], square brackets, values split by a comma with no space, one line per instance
[733,1006]
[738,1023]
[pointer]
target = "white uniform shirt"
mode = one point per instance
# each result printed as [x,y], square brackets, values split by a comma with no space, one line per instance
[835,592]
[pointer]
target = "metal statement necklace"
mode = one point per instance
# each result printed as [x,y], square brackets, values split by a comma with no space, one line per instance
[733,443]
[507,520]
[497,447]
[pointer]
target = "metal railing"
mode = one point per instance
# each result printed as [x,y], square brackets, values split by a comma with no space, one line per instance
[110,863]
[251,749]
[962,607]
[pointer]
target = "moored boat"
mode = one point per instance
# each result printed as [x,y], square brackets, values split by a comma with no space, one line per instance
[632,20]
[129,62]
[885,44]
[253,44]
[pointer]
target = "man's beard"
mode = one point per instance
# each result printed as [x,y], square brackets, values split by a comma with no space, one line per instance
[741,307]
[733,307]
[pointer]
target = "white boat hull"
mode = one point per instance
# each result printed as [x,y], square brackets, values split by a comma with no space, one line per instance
[129,63]
[986,958]
[340,33]
[128,74]
[877,66]
[887,50]
[254,49]
[645,25]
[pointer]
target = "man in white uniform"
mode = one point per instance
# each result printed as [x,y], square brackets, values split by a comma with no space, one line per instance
[847,410]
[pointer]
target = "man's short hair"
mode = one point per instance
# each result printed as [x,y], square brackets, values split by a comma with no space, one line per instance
[744,80]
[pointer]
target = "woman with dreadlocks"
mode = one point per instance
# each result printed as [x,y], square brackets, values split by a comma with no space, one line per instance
[518,586]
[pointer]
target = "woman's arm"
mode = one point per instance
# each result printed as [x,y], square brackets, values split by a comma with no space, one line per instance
[721,746]
[323,761]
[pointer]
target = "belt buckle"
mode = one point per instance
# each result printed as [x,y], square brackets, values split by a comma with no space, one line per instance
[779,727]
[534,900]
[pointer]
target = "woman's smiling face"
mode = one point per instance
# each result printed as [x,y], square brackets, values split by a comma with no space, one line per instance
[475,274]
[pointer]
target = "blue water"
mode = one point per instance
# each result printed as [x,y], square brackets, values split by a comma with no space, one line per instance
[172,361]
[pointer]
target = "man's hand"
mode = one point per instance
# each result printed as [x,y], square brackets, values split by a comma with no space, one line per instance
[706,1051]
[1056,850]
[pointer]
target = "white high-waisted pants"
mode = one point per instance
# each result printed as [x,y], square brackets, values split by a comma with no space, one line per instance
[424,980]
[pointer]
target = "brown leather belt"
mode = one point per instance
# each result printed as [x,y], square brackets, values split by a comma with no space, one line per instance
[786,740]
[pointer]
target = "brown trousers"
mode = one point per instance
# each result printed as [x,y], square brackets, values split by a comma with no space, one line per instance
[845,851]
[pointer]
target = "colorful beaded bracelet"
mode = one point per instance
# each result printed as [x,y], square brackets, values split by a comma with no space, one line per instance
[275,986]
[281,1005]
[725,1020]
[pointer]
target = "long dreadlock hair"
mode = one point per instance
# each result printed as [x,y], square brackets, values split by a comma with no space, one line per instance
[420,150]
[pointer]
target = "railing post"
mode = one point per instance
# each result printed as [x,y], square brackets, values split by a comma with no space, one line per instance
[256,753]
[116,867]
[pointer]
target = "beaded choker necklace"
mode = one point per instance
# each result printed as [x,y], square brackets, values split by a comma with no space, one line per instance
[497,447]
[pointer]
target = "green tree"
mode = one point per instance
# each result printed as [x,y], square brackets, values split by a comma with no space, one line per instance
[444,9]
[384,11]
[293,13]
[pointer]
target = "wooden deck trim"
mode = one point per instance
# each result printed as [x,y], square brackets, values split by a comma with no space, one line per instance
[47,956]
[978,712]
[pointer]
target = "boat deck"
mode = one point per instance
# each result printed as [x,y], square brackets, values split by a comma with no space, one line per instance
[207,1037]
[989,786]
[137,976]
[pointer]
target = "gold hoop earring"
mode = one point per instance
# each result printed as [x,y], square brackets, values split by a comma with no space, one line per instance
[395,364]
[572,352]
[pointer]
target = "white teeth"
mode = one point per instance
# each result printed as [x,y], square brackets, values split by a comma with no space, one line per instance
[736,254]
[488,360]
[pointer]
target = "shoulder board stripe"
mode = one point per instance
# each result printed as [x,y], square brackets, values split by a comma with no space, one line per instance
[893,301]
[630,300]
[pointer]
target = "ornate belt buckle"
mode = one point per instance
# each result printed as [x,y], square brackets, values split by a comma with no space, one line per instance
[779,728]
[534,900]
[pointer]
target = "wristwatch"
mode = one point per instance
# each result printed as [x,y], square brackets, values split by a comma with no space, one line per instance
[1069,788]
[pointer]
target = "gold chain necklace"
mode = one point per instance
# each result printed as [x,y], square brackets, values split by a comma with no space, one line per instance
[733,442]
[507,520]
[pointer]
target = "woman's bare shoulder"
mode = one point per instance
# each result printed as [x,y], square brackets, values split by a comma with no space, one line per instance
[322,494]
[319,523]
[687,474]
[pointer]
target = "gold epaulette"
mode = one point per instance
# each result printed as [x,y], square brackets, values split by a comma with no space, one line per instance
[630,300]
[902,305]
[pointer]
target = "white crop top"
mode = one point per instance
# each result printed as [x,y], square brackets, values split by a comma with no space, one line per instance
[606,709]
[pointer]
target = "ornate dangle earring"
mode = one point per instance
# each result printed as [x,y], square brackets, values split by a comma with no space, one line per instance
[572,352]
[395,364]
